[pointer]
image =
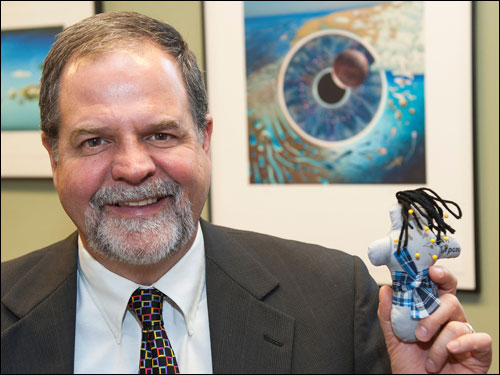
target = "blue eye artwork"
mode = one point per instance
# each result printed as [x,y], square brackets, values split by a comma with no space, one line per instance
[326,90]
[335,95]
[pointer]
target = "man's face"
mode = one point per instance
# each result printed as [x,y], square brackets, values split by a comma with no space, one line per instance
[131,168]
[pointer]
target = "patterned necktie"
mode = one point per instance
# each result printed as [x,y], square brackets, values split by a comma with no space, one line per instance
[157,355]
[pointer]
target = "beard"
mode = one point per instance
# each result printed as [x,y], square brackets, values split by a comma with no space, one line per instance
[140,240]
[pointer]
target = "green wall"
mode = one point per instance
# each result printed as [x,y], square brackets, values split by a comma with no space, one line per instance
[482,308]
[185,16]
[32,216]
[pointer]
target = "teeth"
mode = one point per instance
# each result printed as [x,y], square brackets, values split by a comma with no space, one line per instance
[139,203]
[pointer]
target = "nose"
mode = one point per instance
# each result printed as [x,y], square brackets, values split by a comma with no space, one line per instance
[132,163]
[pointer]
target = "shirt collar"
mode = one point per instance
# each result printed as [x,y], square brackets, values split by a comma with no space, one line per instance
[183,284]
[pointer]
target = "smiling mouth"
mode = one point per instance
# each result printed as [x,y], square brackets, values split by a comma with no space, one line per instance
[143,202]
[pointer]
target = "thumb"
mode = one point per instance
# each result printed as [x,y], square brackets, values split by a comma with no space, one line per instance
[384,311]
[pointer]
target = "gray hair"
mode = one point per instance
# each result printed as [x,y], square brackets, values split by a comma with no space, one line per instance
[104,32]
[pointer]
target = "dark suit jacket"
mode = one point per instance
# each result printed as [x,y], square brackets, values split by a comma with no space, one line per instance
[275,306]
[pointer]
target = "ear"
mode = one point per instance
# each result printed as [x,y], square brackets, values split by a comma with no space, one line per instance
[207,134]
[53,163]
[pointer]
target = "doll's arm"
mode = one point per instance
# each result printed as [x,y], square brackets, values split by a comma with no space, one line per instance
[449,249]
[379,251]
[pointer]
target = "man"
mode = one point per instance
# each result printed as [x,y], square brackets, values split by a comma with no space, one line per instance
[145,285]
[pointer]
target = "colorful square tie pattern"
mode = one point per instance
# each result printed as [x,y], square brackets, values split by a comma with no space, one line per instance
[157,355]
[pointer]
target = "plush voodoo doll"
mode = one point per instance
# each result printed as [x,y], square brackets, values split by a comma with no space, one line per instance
[418,237]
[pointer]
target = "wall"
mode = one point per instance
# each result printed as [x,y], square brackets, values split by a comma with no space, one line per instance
[32,216]
[482,309]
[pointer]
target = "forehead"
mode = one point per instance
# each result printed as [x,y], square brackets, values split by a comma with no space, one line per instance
[144,54]
[122,81]
[147,65]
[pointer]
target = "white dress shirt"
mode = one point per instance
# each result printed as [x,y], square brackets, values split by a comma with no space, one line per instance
[108,336]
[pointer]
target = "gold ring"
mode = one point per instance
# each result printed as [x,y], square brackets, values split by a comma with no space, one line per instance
[469,327]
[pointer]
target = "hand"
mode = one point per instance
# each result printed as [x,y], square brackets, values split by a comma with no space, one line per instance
[446,344]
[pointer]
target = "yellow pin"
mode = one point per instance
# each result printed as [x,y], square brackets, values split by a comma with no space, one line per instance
[434,257]
[417,255]
[446,238]
[446,216]
[410,212]
[426,228]
[433,240]
[395,240]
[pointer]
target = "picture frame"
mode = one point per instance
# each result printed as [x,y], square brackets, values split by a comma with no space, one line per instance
[22,153]
[347,217]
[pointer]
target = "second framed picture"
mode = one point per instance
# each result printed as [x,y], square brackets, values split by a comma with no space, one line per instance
[324,110]
[28,30]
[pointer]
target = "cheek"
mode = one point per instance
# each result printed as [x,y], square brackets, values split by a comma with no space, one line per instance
[181,170]
[76,184]
[191,172]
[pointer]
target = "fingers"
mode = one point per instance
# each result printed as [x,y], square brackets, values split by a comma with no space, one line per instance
[438,353]
[445,280]
[384,309]
[479,344]
[457,340]
[449,310]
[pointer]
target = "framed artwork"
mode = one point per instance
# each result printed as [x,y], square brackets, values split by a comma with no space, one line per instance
[28,30]
[349,82]
[324,110]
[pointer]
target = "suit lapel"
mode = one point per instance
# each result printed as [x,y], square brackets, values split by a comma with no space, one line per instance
[44,301]
[247,335]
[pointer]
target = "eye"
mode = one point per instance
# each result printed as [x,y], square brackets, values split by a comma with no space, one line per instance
[93,142]
[162,140]
[161,137]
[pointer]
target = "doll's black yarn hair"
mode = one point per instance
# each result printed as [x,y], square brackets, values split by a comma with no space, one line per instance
[425,201]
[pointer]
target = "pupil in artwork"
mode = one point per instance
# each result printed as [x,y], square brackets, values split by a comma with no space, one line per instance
[329,91]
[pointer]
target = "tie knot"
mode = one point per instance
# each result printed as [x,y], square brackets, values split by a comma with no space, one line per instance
[147,304]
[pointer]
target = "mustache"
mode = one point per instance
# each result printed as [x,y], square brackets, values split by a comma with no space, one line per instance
[151,189]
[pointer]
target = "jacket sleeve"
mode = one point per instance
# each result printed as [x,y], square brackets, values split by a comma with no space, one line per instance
[370,351]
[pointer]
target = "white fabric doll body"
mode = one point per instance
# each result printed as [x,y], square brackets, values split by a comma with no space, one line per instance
[414,294]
